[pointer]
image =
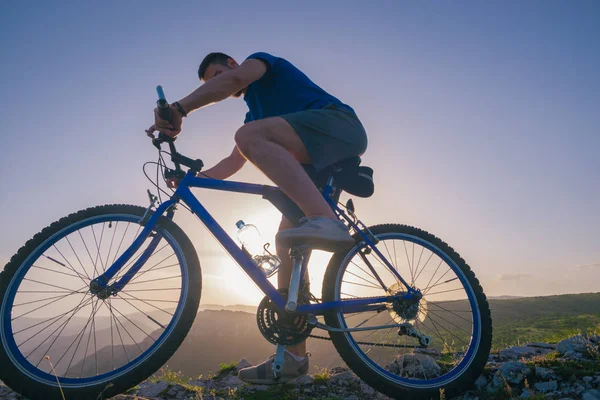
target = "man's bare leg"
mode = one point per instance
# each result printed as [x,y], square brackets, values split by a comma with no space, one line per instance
[283,280]
[274,147]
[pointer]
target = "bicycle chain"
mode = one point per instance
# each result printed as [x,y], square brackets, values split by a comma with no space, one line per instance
[366,343]
[401,346]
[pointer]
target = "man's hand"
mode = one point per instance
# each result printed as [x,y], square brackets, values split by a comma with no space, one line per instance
[171,129]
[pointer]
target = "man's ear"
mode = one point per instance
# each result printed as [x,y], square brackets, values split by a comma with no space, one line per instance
[232,63]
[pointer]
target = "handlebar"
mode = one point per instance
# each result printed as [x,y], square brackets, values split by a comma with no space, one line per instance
[164,111]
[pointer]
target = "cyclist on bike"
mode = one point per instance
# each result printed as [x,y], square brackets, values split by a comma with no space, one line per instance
[292,123]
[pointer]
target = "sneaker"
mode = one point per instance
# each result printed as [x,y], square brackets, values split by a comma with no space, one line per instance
[262,374]
[320,233]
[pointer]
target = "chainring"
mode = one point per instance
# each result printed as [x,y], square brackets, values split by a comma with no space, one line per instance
[280,327]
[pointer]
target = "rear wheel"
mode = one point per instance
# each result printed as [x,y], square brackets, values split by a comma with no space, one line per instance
[445,338]
[52,328]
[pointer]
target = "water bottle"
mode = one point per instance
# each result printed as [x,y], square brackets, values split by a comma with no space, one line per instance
[250,238]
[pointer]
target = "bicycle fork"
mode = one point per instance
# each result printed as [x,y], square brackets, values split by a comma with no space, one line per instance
[300,256]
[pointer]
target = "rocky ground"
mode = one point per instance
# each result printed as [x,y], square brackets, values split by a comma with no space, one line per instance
[569,369]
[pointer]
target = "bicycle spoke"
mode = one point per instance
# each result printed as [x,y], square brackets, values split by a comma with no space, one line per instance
[407,260]
[436,282]
[77,257]
[148,316]
[440,284]
[450,332]
[445,291]
[51,270]
[434,274]
[98,245]
[417,267]
[80,337]
[111,241]
[153,280]
[126,331]
[360,277]
[48,284]
[366,273]
[155,265]
[360,284]
[88,253]
[61,327]
[445,309]
[56,319]
[49,298]
[151,305]
[82,277]
[149,290]
[45,305]
[125,269]
[134,324]
[87,346]
[119,248]
[424,265]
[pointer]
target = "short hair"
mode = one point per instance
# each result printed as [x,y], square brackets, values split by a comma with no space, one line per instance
[212,58]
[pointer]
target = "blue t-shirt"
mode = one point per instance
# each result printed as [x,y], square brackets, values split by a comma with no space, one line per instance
[283,89]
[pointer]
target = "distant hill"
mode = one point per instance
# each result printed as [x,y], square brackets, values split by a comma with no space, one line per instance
[220,334]
[235,307]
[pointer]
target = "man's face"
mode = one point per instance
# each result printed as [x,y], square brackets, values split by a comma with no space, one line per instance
[215,69]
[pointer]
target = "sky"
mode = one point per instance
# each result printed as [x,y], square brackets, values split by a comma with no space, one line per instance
[483,121]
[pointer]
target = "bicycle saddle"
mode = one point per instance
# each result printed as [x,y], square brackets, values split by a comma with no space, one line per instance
[348,175]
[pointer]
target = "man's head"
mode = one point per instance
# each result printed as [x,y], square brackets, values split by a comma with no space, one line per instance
[215,64]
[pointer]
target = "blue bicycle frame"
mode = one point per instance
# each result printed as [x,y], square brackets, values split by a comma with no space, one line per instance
[184,194]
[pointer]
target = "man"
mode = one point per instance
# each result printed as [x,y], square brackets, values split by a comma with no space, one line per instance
[291,121]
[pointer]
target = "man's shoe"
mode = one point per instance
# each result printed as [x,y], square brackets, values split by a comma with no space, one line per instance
[262,374]
[319,233]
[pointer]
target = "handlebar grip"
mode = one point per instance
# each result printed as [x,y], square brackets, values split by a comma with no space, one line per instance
[164,110]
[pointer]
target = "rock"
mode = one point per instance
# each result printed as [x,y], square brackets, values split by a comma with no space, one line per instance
[149,389]
[544,373]
[351,397]
[198,382]
[592,394]
[526,394]
[588,379]
[256,388]
[577,344]
[546,387]
[366,389]
[303,380]
[516,352]
[514,372]
[242,364]
[540,345]
[481,382]
[496,384]
[415,366]
[342,378]
[231,381]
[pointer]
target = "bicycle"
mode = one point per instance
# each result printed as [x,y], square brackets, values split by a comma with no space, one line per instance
[406,336]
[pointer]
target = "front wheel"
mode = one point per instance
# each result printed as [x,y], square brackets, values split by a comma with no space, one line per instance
[57,336]
[444,338]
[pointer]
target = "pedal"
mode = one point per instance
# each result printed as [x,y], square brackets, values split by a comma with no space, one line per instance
[278,362]
[406,329]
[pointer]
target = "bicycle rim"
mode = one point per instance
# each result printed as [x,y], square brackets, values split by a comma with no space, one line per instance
[448,313]
[52,327]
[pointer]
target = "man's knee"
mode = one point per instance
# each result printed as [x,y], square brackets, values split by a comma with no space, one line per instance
[247,137]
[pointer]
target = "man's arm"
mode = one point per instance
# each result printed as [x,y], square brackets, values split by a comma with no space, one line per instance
[224,85]
[226,167]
